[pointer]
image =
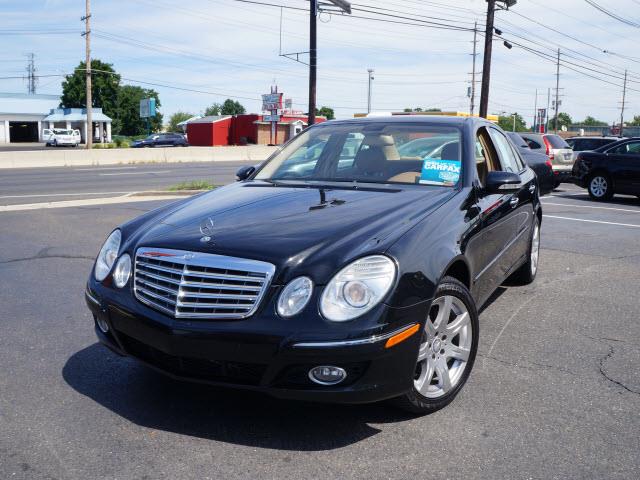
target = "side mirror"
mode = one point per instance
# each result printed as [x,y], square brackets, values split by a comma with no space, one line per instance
[245,172]
[502,182]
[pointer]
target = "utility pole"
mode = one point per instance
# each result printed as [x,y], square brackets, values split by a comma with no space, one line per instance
[624,98]
[31,75]
[555,123]
[87,37]
[313,59]
[535,114]
[370,73]
[486,64]
[473,72]
[546,120]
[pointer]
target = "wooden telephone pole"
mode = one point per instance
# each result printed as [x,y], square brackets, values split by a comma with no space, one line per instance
[87,37]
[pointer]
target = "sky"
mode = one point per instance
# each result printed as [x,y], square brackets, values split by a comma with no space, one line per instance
[198,52]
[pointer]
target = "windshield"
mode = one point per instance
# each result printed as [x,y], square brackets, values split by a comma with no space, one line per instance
[370,152]
[63,132]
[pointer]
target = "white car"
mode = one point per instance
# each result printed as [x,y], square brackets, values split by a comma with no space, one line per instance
[58,137]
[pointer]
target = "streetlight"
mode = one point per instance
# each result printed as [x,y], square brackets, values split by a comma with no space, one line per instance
[341,6]
[488,41]
[371,78]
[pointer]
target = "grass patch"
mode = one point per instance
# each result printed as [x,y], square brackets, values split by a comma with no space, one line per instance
[193,185]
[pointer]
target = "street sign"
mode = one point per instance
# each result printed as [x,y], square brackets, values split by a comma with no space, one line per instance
[271,101]
[271,118]
[147,107]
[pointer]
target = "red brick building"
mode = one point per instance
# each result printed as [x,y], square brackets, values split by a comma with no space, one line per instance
[243,129]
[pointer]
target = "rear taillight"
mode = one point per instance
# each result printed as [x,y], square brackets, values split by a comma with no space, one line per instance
[549,164]
[549,148]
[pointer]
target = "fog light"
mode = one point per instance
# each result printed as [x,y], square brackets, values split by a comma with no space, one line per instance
[102,324]
[327,375]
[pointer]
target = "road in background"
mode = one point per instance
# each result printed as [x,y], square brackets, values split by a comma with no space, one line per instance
[31,185]
[555,391]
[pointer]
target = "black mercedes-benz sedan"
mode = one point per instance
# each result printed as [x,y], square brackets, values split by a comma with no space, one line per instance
[610,169]
[345,272]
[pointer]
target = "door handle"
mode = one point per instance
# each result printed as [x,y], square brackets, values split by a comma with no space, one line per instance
[513,202]
[532,188]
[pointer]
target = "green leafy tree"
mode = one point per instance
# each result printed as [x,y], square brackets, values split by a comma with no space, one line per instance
[213,110]
[127,119]
[105,83]
[177,118]
[635,122]
[420,109]
[326,112]
[232,107]
[563,119]
[593,122]
[506,123]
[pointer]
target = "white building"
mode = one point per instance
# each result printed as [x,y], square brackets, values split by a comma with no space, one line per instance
[23,118]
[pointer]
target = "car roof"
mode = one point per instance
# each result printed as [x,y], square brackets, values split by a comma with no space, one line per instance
[595,137]
[423,119]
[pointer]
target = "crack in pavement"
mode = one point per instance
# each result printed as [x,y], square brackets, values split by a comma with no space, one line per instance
[603,360]
[44,254]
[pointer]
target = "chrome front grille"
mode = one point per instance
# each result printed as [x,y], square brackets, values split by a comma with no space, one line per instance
[198,285]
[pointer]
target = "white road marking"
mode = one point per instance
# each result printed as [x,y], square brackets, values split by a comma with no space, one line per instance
[134,173]
[62,194]
[101,168]
[590,206]
[592,221]
[85,202]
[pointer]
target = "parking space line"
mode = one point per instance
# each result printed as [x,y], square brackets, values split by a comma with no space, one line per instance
[591,206]
[101,168]
[593,221]
[134,173]
[62,194]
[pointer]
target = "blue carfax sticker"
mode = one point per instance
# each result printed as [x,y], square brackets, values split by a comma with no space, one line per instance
[440,172]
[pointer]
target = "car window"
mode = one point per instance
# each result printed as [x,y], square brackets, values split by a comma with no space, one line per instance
[556,141]
[629,148]
[532,143]
[505,152]
[370,152]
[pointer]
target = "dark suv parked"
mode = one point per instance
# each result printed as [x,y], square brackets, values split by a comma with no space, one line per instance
[162,140]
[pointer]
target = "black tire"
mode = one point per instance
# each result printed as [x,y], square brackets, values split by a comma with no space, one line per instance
[600,186]
[526,274]
[414,401]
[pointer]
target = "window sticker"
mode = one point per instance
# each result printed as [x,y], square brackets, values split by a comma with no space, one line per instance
[440,172]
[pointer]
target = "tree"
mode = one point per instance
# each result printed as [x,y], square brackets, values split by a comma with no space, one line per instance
[635,122]
[592,122]
[105,83]
[420,109]
[326,112]
[506,123]
[232,107]
[127,119]
[213,110]
[563,119]
[177,118]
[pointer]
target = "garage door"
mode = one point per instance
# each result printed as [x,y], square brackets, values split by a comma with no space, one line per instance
[23,132]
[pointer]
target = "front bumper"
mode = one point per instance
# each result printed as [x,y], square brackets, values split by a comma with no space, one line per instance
[264,353]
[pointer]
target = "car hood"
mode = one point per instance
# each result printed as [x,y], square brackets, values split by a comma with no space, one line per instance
[302,230]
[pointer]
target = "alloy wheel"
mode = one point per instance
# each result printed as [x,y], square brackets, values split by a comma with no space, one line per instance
[598,186]
[535,248]
[445,348]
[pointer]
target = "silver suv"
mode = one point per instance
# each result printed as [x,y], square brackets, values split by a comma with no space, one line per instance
[558,151]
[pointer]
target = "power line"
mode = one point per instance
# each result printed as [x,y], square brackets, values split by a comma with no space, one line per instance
[613,15]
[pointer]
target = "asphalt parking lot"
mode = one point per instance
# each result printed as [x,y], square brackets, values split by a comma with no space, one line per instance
[555,392]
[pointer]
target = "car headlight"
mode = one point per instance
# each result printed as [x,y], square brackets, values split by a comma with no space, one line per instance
[107,256]
[122,272]
[357,288]
[295,296]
